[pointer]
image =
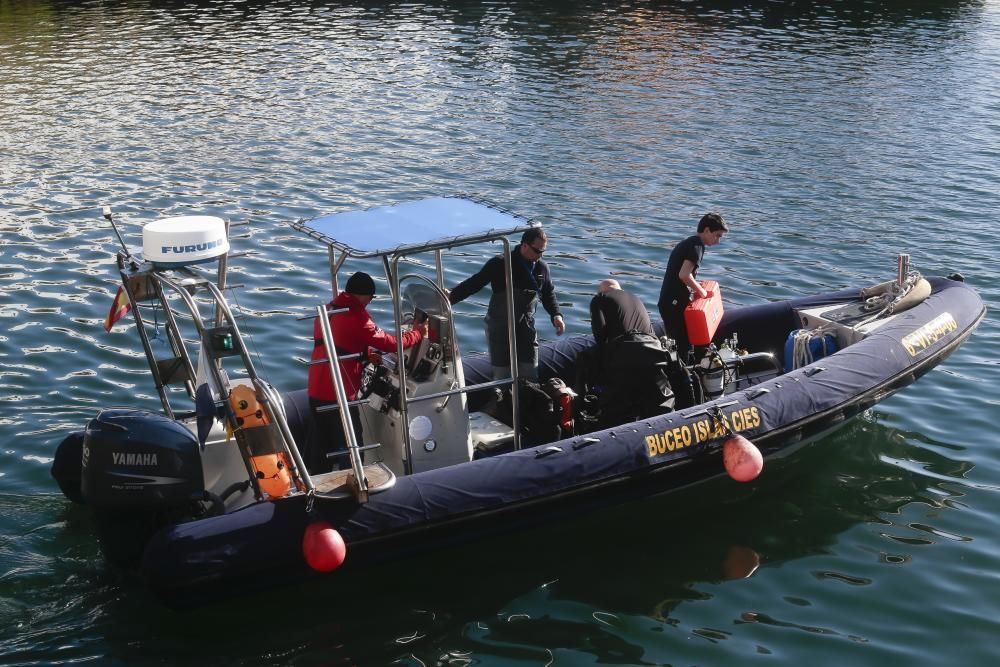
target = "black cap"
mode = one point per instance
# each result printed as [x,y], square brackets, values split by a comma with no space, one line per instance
[360,283]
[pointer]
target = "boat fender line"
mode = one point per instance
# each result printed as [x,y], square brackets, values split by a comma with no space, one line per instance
[803,353]
[877,290]
[740,457]
[918,293]
[889,297]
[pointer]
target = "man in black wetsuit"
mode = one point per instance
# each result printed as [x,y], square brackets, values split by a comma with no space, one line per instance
[531,284]
[628,364]
[679,281]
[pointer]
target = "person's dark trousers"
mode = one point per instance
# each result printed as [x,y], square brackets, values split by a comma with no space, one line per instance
[673,324]
[329,439]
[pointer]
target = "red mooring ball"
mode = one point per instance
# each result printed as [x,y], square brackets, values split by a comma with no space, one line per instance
[742,459]
[323,547]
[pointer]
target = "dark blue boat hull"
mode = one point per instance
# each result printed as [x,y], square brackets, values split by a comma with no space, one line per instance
[192,562]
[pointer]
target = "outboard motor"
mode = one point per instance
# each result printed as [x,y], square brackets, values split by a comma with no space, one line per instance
[140,470]
[135,459]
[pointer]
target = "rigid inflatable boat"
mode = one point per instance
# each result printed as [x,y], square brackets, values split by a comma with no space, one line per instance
[212,495]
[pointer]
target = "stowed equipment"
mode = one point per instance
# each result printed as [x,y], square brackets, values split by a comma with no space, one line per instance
[639,375]
[258,436]
[625,379]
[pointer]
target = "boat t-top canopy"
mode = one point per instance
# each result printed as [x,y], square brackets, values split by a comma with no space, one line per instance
[391,233]
[416,226]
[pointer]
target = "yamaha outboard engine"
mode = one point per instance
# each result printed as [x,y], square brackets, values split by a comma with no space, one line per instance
[135,459]
[140,470]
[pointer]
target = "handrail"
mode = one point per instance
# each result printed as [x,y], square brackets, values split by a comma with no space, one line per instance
[462,390]
[221,274]
[140,327]
[190,279]
[336,404]
[515,394]
[345,414]
[334,311]
[392,273]
[173,329]
[279,417]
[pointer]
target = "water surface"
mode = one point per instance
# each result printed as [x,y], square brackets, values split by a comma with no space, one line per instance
[831,137]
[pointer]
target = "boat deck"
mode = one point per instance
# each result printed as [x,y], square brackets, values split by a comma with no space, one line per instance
[335,485]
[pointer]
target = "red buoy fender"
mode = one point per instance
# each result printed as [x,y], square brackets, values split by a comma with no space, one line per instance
[742,459]
[323,547]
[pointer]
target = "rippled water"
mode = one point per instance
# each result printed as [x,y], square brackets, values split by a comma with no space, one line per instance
[831,136]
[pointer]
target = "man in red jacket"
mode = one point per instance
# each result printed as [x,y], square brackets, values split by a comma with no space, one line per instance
[354,332]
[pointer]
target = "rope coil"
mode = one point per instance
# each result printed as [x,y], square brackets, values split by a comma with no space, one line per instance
[887,298]
[802,353]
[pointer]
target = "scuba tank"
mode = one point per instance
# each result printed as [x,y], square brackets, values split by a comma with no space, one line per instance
[683,381]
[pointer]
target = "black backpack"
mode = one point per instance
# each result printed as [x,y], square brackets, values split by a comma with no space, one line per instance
[629,378]
[542,411]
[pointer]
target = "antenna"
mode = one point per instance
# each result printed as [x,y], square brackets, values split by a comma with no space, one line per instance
[106,212]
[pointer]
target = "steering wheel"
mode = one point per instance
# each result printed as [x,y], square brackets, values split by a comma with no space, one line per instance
[368,374]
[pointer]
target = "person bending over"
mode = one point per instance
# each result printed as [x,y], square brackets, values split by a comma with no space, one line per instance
[627,368]
[614,312]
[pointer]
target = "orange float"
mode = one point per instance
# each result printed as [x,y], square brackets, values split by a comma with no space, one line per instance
[270,467]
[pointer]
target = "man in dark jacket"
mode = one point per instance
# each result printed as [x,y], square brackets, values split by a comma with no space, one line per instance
[679,280]
[531,284]
[354,332]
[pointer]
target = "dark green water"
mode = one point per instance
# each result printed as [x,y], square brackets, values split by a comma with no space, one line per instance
[831,136]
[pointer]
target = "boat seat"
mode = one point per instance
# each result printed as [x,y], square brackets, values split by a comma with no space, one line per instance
[333,485]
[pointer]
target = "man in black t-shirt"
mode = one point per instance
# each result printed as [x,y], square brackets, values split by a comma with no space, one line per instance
[679,280]
[614,312]
[627,367]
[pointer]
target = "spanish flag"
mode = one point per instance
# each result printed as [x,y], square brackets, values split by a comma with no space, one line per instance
[119,309]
